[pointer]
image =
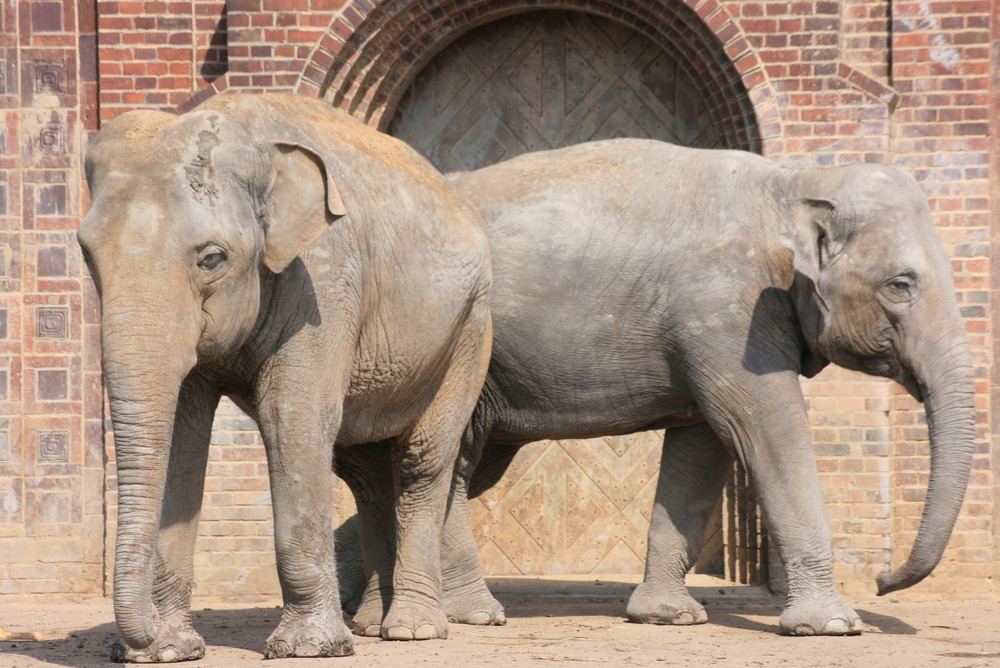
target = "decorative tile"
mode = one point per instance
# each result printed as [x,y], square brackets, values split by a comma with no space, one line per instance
[49,76]
[46,17]
[52,322]
[51,201]
[53,384]
[11,491]
[53,447]
[52,260]
[54,507]
[52,137]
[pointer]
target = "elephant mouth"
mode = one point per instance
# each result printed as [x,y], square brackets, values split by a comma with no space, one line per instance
[913,387]
[909,382]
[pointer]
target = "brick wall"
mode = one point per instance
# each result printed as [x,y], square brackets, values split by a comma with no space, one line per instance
[51,463]
[940,132]
[830,82]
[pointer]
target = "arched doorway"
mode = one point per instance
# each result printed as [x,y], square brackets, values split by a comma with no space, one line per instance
[541,80]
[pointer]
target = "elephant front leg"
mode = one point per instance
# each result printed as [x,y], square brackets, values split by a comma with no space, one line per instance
[792,504]
[174,555]
[299,447]
[424,474]
[424,464]
[771,430]
[693,472]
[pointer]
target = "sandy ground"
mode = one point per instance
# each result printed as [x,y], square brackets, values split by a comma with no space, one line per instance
[557,623]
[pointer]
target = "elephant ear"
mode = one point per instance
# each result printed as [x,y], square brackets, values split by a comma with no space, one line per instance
[810,235]
[812,243]
[301,202]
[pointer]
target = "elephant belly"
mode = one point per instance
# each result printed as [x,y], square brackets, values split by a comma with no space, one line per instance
[621,415]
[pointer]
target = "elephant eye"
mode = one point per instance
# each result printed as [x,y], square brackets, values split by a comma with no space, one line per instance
[212,259]
[901,288]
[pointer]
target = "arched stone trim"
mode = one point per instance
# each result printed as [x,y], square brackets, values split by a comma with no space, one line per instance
[364,66]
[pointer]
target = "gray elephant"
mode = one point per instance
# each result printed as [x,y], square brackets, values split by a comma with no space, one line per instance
[640,285]
[334,285]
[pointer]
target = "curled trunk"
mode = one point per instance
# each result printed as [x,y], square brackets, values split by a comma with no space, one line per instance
[948,401]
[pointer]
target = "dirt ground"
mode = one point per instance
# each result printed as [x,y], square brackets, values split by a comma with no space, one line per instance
[555,623]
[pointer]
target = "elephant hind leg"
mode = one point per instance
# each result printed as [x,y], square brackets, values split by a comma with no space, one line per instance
[366,543]
[492,465]
[693,472]
[466,598]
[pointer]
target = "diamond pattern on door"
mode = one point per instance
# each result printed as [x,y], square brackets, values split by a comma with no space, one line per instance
[536,81]
[544,80]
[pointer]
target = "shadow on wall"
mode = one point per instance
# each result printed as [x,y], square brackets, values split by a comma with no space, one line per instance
[216,61]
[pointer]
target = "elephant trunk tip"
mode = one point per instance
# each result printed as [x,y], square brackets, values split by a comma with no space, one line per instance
[901,578]
[139,631]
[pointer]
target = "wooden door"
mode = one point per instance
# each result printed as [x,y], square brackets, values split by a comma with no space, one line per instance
[544,80]
[536,81]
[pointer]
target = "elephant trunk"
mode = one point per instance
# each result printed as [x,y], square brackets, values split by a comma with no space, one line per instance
[143,386]
[949,403]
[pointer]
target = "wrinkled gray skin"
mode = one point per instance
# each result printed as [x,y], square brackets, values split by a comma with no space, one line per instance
[640,285]
[334,285]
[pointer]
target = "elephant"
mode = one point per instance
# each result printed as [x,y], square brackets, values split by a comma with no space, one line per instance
[640,285]
[335,286]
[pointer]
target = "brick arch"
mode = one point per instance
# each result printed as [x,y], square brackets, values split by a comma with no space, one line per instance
[366,65]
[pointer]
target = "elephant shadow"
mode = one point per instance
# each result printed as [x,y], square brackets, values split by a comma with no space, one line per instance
[237,628]
[547,597]
[246,628]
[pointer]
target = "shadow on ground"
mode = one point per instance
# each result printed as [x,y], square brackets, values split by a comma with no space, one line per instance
[247,628]
[92,646]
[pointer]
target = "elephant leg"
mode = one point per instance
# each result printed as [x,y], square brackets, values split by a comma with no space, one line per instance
[424,462]
[788,488]
[493,463]
[367,471]
[350,564]
[770,431]
[173,558]
[299,432]
[466,598]
[693,472]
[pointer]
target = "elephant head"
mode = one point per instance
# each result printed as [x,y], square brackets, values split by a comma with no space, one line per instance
[874,293]
[190,213]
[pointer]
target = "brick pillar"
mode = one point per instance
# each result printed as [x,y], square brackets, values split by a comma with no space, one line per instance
[51,464]
[994,170]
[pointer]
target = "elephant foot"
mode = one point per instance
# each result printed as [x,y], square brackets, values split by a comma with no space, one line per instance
[175,643]
[309,635]
[812,618]
[367,620]
[477,607]
[655,605]
[408,620]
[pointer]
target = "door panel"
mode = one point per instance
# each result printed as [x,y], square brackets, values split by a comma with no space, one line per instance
[537,81]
